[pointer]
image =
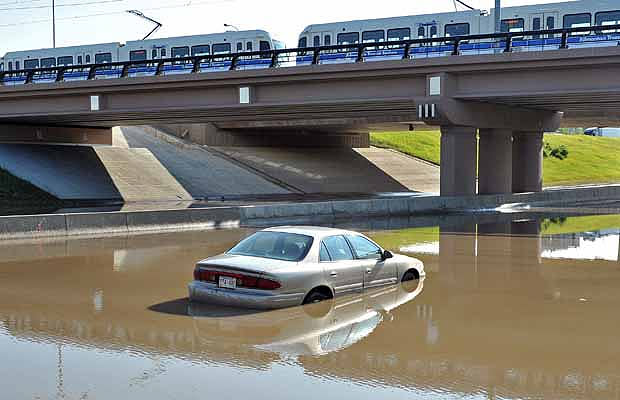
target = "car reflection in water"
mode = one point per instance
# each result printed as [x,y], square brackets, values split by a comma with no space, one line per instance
[313,329]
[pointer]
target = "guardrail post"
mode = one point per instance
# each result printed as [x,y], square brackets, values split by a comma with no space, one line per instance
[29,77]
[92,72]
[125,71]
[274,60]
[564,44]
[60,75]
[508,47]
[455,49]
[233,63]
[195,66]
[360,54]
[407,51]
[315,56]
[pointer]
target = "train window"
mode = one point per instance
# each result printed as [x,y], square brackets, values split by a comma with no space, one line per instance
[31,64]
[201,50]
[316,41]
[577,20]
[457,29]
[434,31]
[399,34]
[513,25]
[373,36]
[103,58]
[264,45]
[137,55]
[162,53]
[536,24]
[421,32]
[348,38]
[221,48]
[47,62]
[177,52]
[239,47]
[87,58]
[550,22]
[327,40]
[608,18]
[248,46]
[303,42]
[17,65]
[10,65]
[80,60]
[65,60]
[154,54]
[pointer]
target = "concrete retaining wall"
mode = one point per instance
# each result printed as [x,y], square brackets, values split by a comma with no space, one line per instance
[40,226]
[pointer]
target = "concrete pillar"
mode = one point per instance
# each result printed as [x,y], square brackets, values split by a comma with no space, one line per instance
[458,161]
[527,162]
[495,161]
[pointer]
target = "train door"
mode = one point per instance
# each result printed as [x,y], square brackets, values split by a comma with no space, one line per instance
[426,31]
[79,58]
[543,21]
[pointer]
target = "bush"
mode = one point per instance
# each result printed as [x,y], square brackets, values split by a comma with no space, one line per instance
[560,152]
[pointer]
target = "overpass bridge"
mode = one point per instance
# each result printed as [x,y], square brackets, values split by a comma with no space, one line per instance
[511,93]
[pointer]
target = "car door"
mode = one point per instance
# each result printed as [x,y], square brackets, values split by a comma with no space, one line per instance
[343,272]
[377,272]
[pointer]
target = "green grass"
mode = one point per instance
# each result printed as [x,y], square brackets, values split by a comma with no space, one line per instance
[394,240]
[579,224]
[590,159]
[15,193]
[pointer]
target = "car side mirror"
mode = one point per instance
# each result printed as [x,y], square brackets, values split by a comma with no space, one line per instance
[385,255]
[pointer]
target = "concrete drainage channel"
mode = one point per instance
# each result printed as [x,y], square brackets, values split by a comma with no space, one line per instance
[136,222]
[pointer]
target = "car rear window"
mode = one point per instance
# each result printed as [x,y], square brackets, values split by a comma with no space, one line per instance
[276,245]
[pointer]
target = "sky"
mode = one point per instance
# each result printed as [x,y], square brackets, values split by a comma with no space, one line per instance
[26,24]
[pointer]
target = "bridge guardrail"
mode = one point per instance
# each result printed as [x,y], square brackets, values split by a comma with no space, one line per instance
[340,53]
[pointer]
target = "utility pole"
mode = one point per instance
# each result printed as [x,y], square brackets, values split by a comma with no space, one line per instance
[54,23]
[498,16]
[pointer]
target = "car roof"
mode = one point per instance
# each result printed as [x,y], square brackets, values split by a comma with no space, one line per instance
[316,231]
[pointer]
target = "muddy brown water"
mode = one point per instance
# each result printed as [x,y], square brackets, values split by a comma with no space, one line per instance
[506,311]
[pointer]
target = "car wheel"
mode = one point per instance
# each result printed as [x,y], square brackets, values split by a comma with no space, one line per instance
[410,276]
[315,297]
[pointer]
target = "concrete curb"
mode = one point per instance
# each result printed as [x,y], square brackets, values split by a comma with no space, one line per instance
[136,222]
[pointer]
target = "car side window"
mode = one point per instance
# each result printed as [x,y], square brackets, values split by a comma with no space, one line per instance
[323,253]
[338,248]
[364,248]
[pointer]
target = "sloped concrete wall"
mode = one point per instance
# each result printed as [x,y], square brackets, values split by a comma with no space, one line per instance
[92,173]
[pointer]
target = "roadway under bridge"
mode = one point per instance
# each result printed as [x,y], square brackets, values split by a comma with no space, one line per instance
[508,99]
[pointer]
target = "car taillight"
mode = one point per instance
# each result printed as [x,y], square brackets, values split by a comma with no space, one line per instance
[245,281]
[267,284]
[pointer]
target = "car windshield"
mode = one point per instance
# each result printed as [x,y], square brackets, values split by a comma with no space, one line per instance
[277,245]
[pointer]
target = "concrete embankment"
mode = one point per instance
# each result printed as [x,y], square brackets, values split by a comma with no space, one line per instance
[39,226]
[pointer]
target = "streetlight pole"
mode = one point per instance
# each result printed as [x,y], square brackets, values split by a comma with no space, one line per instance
[498,16]
[231,26]
[54,23]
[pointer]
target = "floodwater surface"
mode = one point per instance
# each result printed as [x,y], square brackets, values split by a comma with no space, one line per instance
[510,309]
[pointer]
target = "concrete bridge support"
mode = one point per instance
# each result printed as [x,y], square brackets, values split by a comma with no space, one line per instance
[527,159]
[495,161]
[458,161]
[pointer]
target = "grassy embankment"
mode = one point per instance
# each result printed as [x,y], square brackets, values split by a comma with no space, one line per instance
[590,159]
[16,194]
[395,240]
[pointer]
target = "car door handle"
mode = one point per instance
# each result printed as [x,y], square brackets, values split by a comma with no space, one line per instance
[369,270]
[333,273]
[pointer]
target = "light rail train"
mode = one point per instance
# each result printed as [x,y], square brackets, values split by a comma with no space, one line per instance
[141,50]
[582,13]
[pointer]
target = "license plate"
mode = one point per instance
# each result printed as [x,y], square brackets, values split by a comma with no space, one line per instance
[227,282]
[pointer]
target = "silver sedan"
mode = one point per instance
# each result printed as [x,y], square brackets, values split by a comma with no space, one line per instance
[289,266]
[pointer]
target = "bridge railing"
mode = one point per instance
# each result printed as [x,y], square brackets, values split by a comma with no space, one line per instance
[505,42]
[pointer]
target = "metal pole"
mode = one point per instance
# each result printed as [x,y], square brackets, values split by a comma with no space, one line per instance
[498,16]
[54,23]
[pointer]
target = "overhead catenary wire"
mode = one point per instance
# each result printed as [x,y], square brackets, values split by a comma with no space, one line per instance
[88,3]
[75,17]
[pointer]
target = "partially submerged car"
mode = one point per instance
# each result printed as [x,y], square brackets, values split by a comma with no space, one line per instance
[289,266]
